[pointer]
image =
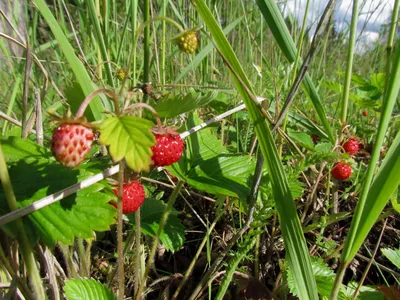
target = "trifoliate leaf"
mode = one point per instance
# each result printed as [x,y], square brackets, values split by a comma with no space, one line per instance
[77,289]
[130,138]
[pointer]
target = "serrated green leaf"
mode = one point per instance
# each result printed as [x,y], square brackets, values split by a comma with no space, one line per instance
[75,216]
[78,289]
[130,138]
[324,276]
[173,234]
[174,105]
[357,79]
[323,147]
[392,255]
[303,138]
[333,86]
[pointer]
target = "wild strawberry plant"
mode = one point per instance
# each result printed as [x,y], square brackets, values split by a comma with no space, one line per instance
[266,193]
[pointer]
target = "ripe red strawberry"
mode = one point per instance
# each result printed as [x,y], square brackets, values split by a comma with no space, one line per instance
[71,142]
[167,150]
[132,196]
[351,146]
[341,171]
[365,113]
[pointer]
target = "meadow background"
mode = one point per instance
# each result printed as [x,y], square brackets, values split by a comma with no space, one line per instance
[252,209]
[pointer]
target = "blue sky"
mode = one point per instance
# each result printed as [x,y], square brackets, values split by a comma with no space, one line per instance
[373,14]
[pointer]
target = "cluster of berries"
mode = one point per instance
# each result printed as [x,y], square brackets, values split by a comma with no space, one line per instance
[71,142]
[342,171]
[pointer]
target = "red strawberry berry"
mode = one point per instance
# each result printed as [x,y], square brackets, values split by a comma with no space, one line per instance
[351,146]
[365,113]
[132,196]
[71,143]
[341,171]
[167,150]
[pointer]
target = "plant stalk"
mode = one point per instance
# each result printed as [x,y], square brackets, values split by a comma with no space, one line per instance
[163,220]
[25,246]
[350,54]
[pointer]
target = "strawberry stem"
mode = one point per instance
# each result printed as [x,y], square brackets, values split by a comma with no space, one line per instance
[137,34]
[120,249]
[144,105]
[89,98]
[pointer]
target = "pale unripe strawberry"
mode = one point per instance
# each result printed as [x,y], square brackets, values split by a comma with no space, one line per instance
[188,41]
[71,142]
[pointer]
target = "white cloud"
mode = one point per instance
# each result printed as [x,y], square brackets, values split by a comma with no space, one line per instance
[372,15]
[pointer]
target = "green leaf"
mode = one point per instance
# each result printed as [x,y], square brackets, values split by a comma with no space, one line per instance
[392,255]
[15,149]
[75,216]
[173,234]
[395,200]
[208,167]
[174,105]
[324,276]
[224,174]
[303,138]
[78,289]
[130,138]
[366,292]
[199,146]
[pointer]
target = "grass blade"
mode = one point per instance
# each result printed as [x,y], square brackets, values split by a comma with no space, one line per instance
[297,252]
[83,78]
[374,197]
[276,23]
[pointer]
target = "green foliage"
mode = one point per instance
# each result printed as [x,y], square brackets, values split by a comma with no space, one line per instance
[367,94]
[173,234]
[295,243]
[35,177]
[16,149]
[393,255]
[244,247]
[324,276]
[302,138]
[78,289]
[173,105]
[366,293]
[82,76]
[207,166]
[130,138]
